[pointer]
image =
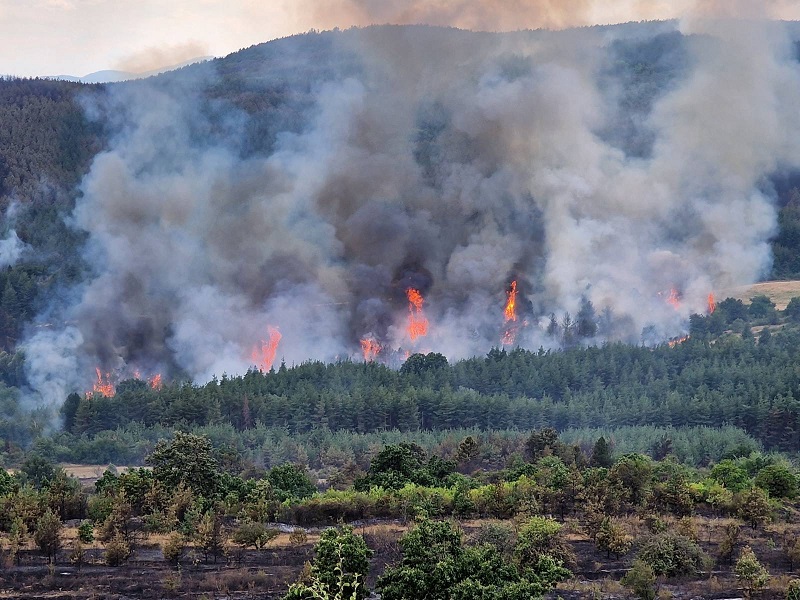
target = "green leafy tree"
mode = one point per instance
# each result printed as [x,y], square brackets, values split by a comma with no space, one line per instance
[750,572]
[540,536]
[86,532]
[672,555]
[17,538]
[641,580]
[793,590]
[210,536]
[732,475]
[792,310]
[633,473]
[436,566]
[117,551]
[187,459]
[290,482]
[38,471]
[254,533]
[339,569]
[47,534]
[174,548]
[778,480]
[753,507]
[613,538]
[601,454]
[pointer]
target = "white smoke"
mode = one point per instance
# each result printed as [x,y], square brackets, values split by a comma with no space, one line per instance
[452,168]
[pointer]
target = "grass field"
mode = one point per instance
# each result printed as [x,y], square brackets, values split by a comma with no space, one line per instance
[780,292]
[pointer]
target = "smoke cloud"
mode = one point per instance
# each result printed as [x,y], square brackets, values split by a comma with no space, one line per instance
[448,162]
[156,58]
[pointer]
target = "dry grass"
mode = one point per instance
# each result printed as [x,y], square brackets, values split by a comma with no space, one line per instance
[780,292]
[91,472]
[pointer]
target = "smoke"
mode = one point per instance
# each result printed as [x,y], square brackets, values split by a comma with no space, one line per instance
[11,249]
[157,58]
[495,15]
[448,162]
[513,15]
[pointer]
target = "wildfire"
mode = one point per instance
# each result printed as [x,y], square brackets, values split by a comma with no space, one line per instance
[510,315]
[712,305]
[417,323]
[371,348]
[511,305]
[264,356]
[155,382]
[674,342]
[674,299]
[103,385]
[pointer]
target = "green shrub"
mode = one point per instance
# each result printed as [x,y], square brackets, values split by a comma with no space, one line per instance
[672,555]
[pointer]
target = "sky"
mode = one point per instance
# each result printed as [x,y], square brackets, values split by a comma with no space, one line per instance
[77,37]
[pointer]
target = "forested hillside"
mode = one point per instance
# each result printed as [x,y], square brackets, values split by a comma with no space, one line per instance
[249,104]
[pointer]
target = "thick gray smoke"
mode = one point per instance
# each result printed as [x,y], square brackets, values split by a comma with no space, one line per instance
[449,168]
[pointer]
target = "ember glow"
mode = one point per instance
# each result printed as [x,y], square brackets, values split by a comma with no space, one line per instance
[103,385]
[371,348]
[264,356]
[417,322]
[712,305]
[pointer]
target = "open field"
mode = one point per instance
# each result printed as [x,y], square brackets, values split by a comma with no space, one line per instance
[780,292]
[90,473]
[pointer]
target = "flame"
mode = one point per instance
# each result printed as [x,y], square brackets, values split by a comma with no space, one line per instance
[371,348]
[674,342]
[674,299]
[155,382]
[417,323]
[264,356]
[511,305]
[510,315]
[103,385]
[712,305]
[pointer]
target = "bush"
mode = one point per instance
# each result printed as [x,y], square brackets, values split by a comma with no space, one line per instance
[778,480]
[174,548]
[672,555]
[254,534]
[340,566]
[86,532]
[750,572]
[436,566]
[641,580]
[498,535]
[541,536]
[117,551]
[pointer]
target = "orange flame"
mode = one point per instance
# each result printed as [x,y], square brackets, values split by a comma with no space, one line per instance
[264,356]
[712,305]
[674,299]
[511,306]
[510,316]
[417,323]
[371,348]
[103,385]
[674,342]
[155,382]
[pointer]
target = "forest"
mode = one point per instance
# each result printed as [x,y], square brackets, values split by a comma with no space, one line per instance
[595,465]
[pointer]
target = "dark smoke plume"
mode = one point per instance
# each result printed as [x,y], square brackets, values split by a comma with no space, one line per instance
[443,161]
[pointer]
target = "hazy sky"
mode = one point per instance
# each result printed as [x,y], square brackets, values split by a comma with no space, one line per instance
[76,37]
